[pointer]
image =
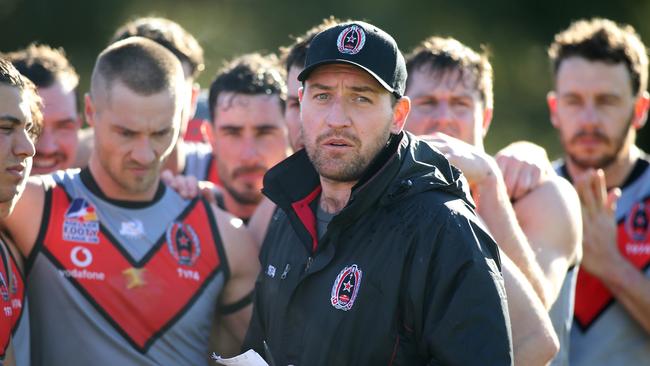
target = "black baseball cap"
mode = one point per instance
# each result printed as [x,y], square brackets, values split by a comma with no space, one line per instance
[363,45]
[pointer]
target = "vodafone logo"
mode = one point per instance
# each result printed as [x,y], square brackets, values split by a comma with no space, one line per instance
[81,257]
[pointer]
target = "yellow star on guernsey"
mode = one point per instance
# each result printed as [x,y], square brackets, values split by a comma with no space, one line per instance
[134,277]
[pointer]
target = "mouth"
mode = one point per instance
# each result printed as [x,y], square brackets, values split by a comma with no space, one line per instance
[46,164]
[337,143]
[249,173]
[589,141]
[17,171]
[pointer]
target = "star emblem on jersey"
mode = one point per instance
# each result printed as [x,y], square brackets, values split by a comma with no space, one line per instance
[141,297]
[351,40]
[183,244]
[346,288]
[134,277]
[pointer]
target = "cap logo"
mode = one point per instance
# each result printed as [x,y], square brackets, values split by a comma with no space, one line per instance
[351,40]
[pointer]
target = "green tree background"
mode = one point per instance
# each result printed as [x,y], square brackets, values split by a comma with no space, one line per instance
[516,32]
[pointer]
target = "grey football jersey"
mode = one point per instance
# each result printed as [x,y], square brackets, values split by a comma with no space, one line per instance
[123,283]
[603,332]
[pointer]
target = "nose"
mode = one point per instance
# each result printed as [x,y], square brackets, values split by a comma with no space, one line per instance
[249,150]
[439,119]
[442,113]
[143,153]
[337,116]
[46,143]
[589,116]
[23,145]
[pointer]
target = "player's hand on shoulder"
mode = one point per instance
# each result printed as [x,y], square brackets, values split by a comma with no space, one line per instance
[524,167]
[188,187]
[476,165]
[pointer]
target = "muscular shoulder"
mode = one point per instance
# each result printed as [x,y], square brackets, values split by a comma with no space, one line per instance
[552,209]
[241,250]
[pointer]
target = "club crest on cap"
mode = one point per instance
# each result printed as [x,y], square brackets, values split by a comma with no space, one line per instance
[351,40]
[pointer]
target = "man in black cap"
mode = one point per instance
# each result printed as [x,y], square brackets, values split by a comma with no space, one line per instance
[376,256]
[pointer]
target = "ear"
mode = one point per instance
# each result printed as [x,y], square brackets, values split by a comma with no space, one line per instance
[89,110]
[641,110]
[400,113]
[551,101]
[301,92]
[487,119]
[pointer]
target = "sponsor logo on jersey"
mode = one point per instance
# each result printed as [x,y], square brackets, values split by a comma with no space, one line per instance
[346,288]
[132,229]
[80,223]
[351,40]
[81,257]
[183,243]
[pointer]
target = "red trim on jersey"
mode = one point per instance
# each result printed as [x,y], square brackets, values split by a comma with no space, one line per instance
[12,296]
[306,215]
[212,174]
[167,290]
[194,130]
[592,296]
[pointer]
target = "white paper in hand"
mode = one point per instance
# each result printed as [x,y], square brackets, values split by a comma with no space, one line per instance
[248,358]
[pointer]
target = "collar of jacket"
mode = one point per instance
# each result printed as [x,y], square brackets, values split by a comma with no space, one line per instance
[406,166]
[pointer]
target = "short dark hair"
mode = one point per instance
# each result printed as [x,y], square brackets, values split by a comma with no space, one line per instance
[250,74]
[141,64]
[296,53]
[603,40]
[440,54]
[170,35]
[11,77]
[44,65]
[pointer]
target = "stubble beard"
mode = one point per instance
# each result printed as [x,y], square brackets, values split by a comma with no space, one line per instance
[341,167]
[606,159]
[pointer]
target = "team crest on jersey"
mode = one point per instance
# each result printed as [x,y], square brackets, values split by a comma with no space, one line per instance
[4,290]
[346,288]
[351,40]
[81,224]
[636,223]
[183,243]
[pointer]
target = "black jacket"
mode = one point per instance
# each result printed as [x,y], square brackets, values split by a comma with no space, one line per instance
[404,275]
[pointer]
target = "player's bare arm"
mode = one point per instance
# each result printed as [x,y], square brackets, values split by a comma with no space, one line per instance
[550,218]
[534,341]
[242,254]
[24,223]
[260,220]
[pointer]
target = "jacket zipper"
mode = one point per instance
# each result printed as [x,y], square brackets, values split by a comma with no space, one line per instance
[308,264]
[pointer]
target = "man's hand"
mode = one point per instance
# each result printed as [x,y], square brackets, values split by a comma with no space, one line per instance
[600,251]
[188,186]
[524,166]
[475,164]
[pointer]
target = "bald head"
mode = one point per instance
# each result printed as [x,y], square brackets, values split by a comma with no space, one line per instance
[142,65]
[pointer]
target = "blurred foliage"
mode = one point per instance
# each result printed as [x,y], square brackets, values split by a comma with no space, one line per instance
[516,32]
